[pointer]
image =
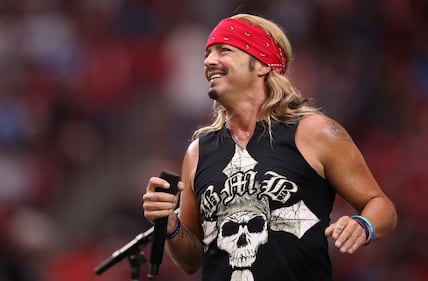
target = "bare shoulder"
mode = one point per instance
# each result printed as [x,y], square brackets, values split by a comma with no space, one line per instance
[322,127]
[189,208]
[191,157]
[190,163]
[193,150]
[322,140]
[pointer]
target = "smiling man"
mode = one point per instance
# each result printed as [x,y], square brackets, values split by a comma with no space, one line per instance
[259,182]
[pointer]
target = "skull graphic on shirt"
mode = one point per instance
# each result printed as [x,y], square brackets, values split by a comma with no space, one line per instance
[240,236]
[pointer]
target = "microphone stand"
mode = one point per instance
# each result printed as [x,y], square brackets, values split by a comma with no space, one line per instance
[130,250]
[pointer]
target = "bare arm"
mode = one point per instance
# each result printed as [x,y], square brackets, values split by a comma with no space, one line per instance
[185,248]
[330,150]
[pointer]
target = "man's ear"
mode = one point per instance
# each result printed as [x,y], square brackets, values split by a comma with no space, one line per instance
[263,69]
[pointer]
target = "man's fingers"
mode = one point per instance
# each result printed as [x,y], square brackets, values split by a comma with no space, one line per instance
[351,238]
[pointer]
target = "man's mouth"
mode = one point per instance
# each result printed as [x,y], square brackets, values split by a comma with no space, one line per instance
[215,76]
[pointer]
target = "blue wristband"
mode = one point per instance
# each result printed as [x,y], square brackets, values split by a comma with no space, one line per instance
[367,226]
[174,233]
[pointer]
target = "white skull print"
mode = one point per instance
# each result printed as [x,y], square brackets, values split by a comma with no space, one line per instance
[240,236]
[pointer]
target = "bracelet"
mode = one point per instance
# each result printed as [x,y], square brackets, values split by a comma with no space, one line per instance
[367,226]
[364,226]
[174,233]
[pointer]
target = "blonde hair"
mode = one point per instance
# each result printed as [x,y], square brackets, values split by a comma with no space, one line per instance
[284,102]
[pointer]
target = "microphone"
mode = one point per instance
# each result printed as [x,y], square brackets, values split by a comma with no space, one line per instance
[160,226]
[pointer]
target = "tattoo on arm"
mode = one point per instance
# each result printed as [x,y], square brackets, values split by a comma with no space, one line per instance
[186,234]
[337,130]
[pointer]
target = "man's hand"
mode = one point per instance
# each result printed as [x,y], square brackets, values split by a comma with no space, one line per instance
[347,233]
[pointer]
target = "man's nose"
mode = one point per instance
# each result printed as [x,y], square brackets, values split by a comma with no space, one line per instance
[211,59]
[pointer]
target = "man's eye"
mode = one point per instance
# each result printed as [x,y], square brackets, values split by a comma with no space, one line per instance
[224,49]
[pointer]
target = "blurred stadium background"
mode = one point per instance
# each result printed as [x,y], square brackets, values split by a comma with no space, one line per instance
[96,96]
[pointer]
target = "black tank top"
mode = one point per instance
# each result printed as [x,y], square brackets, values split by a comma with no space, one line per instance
[263,209]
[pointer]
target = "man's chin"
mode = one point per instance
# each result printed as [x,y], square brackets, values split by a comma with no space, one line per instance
[212,93]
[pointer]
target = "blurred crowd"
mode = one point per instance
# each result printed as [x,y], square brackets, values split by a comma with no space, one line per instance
[96,96]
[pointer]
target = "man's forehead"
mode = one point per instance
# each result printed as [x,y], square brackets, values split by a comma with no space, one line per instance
[219,46]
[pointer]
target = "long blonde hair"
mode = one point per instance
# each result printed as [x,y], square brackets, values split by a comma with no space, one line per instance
[284,102]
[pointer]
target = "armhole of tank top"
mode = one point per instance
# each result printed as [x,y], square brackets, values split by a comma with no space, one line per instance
[195,170]
[293,141]
[293,136]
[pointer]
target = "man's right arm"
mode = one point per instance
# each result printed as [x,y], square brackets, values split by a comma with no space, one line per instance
[186,249]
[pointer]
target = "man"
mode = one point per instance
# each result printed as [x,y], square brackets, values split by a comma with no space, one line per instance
[259,182]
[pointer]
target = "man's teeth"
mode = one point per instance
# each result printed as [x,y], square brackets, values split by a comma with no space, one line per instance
[215,76]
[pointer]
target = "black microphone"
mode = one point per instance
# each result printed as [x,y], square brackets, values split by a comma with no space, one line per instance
[160,226]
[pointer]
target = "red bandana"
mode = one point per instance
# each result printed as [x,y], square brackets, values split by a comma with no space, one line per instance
[250,39]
